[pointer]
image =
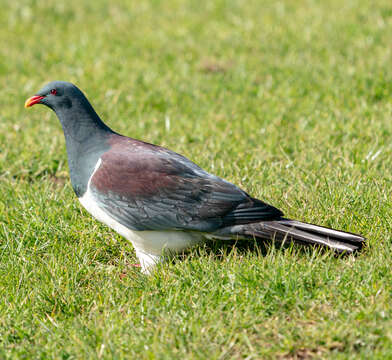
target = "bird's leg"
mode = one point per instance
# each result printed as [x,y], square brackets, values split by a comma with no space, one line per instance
[148,261]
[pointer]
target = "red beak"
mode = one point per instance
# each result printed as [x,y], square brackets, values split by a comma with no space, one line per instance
[33,100]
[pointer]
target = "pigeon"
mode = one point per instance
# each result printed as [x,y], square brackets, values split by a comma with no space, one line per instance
[159,200]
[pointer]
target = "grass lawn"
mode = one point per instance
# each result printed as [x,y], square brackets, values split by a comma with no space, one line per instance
[290,99]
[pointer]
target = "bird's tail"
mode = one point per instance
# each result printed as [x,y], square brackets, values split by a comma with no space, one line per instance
[299,232]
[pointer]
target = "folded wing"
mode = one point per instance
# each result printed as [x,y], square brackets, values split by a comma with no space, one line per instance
[145,187]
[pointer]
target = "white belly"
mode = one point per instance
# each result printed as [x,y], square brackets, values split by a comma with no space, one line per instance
[150,242]
[150,246]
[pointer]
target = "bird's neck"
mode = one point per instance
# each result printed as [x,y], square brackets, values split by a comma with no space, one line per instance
[86,138]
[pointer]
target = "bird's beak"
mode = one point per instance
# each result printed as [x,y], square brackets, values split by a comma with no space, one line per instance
[33,100]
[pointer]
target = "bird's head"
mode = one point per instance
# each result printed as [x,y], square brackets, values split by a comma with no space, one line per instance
[74,111]
[57,95]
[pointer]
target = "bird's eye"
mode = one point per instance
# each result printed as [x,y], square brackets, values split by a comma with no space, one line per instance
[53,91]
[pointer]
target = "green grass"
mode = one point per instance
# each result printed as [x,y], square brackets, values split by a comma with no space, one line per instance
[291,100]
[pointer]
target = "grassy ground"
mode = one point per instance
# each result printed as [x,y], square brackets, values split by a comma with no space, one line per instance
[289,99]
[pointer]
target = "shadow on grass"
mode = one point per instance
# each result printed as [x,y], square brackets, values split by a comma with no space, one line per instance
[219,249]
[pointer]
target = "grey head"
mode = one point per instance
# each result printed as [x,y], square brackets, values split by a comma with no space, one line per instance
[57,95]
[69,104]
[86,136]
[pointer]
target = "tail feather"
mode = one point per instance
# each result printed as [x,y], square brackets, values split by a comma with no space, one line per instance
[342,235]
[283,231]
[299,232]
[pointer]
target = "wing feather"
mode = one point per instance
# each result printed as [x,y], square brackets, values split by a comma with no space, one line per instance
[152,188]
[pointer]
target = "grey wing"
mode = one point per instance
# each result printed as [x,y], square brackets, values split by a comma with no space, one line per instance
[166,193]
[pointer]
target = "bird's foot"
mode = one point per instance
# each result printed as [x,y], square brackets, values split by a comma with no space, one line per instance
[148,262]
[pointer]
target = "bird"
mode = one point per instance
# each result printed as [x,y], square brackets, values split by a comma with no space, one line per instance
[160,201]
